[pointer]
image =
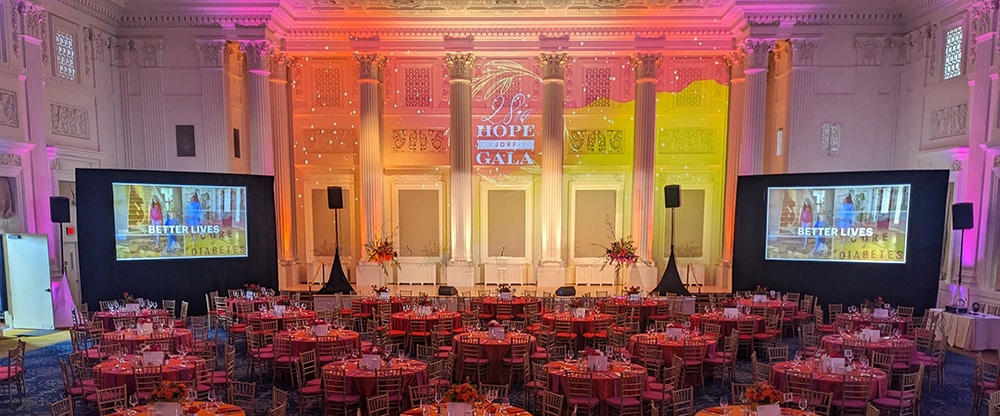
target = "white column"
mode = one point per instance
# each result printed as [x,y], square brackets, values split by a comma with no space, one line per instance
[752,140]
[151,85]
[130,150]
[737,107]
[215,104]
[801,100]
[977,174]
[647,66]
[258,55]
[372,194]
[281,126]
[553,125]
[34,21]
[460,67]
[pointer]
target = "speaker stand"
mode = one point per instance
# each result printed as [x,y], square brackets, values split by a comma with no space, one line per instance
[337,281]
[671,280]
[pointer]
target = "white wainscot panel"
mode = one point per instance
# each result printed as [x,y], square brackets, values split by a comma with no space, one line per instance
[417,271]
[505,271]
[591,274]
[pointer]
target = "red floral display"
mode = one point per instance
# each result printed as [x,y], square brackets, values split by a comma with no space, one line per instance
[633,290]
[462,393]
[169,391]
[763,393]
[381,251]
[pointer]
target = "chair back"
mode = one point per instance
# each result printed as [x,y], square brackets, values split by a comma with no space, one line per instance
[110,398]
[242,394]
[857,389]
[62,407]
[422,394]
[147,377]
[777,354]
[683,401]
[738,391]
[389,381]
[378,405]
[819,401]
[552,403]
[797,382]
[579,384]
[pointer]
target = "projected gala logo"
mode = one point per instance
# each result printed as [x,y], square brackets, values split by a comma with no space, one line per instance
[504,137]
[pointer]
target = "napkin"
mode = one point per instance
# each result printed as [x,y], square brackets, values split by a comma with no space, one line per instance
[768,410]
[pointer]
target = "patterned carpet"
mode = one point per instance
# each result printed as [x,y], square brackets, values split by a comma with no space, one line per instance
[45,385]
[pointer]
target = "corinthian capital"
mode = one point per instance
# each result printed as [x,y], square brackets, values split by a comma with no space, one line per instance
[646,65]
[460,65]
[757,51]
[553,65]
[258,54]
[151,52]
[210,52]
[370,66]
[804,51]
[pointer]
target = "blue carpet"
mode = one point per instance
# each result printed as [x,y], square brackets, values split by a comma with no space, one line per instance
[45,386]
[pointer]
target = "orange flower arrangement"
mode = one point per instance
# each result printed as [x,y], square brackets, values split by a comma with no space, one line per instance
[169,391]
[381,251]
[462,393]
[763,393]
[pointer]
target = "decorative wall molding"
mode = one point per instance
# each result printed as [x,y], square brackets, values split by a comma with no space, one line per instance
[804,51]
[686,177]
[370,66]
[209,20]
[210,52]
[328,140]
[956,165]
[687,141]
[931,49]
[996,162]
[67,120]
[980,24]
[830,133]
[868,49]
[30,20]
[278,66]
[737,61]
[596,141]
[104,10]
[604,177]
[949,121]
[122,52]
[485,31]
[419,141]
[10,159]
[647,65]
[426,178]
[8,108]
[824,17]
[151,53]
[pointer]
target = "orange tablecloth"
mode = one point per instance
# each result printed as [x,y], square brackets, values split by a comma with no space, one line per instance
[737,411]
[489,304]
[834,345]
[282,319]
[131,341]
[108,317]
[223,409]
[401,320]
[831,383]
[174,369]
[606,383]
[727,325]
[670,347]
[493,349]
[362,382]
[303,341]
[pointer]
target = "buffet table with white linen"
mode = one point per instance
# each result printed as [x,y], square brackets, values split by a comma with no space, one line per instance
[973,331]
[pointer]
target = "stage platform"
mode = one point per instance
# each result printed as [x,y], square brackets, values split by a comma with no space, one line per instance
[432,290]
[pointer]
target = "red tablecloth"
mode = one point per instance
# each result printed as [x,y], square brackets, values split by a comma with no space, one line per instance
[108,317]
[493,349]
[489,304]
[647,308]
[131,341]
[401,320]
[606,383]
[580,325]
[223,409]
[834,345]
[282,319]
[727,325]
[831,383]
[859,321]
[670,347]
[362,382]
[303,341]
[789,306]
[174,369]
[368,305]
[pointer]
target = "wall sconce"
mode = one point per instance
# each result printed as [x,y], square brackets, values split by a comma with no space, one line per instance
[831,139]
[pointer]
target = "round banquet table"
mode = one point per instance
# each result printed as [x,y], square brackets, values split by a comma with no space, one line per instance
[433,411]
[223,409]
[401,320]
[790,307]
[255,303]
[606,383]
[860,320]
[301,341]
[826,382]
[580,325]
[108,317]
[735,410]
[647,307]
[368,305]
[726,325]
[362,382]
[834,345]
[282,319]
[131,340]
[493,349]
[670,347]
[174,369]
[489,304]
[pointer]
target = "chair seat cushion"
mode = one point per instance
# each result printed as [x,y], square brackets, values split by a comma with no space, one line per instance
[656,396]
[566,335]
[478,361]
[890,402]
[504,317]
[307,389]
[539,356]
[584,401]
[9,372]
[659,387]
[853,404]
[343,398]
[718,360]
[513,360]
[620,402]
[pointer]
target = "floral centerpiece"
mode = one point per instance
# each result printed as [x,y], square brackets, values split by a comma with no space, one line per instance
[621,253]
[633,290]
[577,303]
[462,393]
[762,393]
[873,304]
[423,300]
[503,287]
[169,391]
[493,324]
[128,297]
[381,251]
[283,301]
[592,352]
[760,290]
[371,349]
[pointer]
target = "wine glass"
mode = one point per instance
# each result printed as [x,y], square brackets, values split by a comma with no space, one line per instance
[569,355]
[724,403]
[192,395]
[803,403]
[401,354]
[798,356]
[133,400]
[119,406]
